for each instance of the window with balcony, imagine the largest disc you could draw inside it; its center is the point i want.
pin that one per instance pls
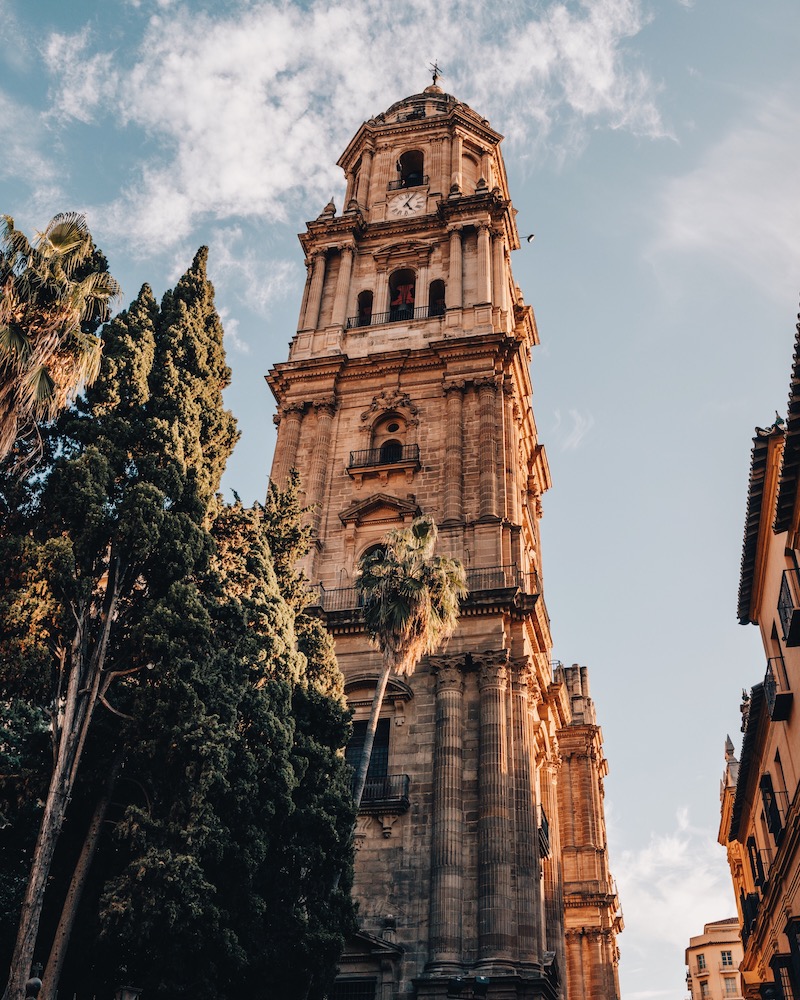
(731, 986)
(701, 963)
(727, 958)
(782, 970)
(772, 808)
(410, 170)
(436, 300)
(704, 989)
(364, 315)
(383, 792)
(789, 607)
(402, 286)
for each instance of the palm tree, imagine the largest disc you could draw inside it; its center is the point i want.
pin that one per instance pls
(411, 602)
(49, 292)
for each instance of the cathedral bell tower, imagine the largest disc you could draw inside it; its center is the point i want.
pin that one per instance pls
(407, 391)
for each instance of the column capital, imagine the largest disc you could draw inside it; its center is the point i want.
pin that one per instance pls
(492, 382)
(299, 408)
(522, 672)
(449, 671)
(325, 405)
(492, 667)
(453, 385)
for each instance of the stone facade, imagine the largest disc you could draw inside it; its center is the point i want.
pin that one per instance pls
(407, 391)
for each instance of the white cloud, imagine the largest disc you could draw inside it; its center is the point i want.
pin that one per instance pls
(247, 112)
(259, 279)
(24, 138)
(740, 204)
(669, 889)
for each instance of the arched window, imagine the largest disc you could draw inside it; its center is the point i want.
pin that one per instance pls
(411, 169)
(364, 317)
(402, 285)
(436, 305)
(388, 438)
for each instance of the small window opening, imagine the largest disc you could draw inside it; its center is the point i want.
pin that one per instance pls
(402, 285)
(364, 317)
(436, 305)
(410, 167)
(391, 451)
(393, 427)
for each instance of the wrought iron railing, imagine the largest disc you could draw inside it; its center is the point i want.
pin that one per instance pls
(398, 314)
(369, 457)
(789, 607)
(413, 181)
(478, 581)
(749, 904)
(388, 789)
(776, 693)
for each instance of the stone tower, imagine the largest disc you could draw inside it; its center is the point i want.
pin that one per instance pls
(407, 391)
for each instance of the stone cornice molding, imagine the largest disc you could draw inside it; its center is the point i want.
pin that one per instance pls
(409, 253)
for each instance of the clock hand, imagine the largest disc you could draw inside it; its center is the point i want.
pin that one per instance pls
(408, 203)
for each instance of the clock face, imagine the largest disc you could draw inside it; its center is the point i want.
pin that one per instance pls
(406, 203)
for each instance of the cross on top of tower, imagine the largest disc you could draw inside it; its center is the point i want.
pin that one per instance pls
(434, 66)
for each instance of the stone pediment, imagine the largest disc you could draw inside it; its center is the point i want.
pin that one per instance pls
(361, 944)
(380, 508)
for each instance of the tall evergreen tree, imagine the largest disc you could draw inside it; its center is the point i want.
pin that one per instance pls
(187, 700)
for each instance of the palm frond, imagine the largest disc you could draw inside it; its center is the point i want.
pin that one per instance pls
(14, 345)
(67, 238)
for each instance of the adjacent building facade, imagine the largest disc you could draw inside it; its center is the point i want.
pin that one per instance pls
(482, 865)
(712, 962)
(760, 819)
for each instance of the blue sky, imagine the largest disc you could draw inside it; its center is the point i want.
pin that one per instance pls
(653, 148)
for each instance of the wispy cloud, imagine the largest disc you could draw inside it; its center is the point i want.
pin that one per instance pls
(245, 112)
(740, 204)
(570, 433)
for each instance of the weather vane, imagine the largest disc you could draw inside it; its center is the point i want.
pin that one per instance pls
(434, 66)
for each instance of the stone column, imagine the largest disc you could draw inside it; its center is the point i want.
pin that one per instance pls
(350, 190)
(528, 883)
(447, 875)
(421, 289)
(512, 504)
(320, 461)
(496, 925)
(342, 287)
(455, 162)
(484, 289)
(499, 297)
(364, 176)
(380, 300)
(454, 283)
(487, 397)
(301, 319)
(315, 291)
(453, 452)
(288, 440)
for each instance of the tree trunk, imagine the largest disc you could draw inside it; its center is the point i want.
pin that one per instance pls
(372, 727)
(58, 950)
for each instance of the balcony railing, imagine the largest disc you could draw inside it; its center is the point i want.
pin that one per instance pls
(543, 833)
(478, 581)
(413, 181)
(388, 793)
(399, 314)
(749, 905)
(789, 607)
(369, 458)
(776, 692)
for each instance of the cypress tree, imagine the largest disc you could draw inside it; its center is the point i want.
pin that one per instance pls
(178, 675)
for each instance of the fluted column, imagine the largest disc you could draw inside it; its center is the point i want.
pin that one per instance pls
(447, 874)
(528, 885)
(288, 440)
(342, 287)
(487, 398)
(453, 451)
(484, 289)
(301, 319)
(315, 291)
(499, 297)
(512, 504)
(496, 930)
(455, 283)
(325, 408)
(364, 176)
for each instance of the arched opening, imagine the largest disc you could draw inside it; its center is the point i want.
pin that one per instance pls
(402, 285)
(436, 304)
(411, 169)
(391, 451)
(469, 173)
(364, 315)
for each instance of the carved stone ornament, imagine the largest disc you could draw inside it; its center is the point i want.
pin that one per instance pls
(392, 399)
(449, 672)
(453, 385)
(493, 667)
(325, 405)
(489, 382)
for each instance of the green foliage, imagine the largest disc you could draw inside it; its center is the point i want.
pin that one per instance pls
(53, 293)
(135, 592)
